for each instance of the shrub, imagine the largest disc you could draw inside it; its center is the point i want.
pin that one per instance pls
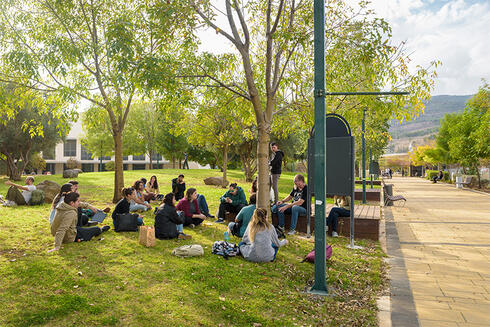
(429, 174)
(109, 166)
(72, 163)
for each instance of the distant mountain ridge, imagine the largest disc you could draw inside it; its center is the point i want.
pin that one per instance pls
(425, 125)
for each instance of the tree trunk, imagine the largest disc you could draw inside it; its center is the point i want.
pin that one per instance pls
(13, 170)
(150, 153)
(478, 176)
(118, 166)
(173, 162)
(263, 181)
(225, 163)
(247, 167)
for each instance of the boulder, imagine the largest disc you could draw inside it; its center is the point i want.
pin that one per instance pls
(70, 173)
(79, 171)
(50, 189)
(218, 181)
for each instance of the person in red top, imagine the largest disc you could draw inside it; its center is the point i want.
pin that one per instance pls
(189, 206)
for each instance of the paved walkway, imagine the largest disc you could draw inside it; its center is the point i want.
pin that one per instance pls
(444, 237)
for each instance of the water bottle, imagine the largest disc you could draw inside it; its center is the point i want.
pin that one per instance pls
(227, 236)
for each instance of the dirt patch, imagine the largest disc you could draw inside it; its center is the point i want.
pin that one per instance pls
(12, 253)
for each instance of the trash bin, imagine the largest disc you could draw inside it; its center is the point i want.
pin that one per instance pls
(388, 190)
(459, 180)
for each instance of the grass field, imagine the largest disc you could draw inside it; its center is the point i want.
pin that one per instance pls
(117, 282)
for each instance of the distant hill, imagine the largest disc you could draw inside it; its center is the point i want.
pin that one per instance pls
(422, 129)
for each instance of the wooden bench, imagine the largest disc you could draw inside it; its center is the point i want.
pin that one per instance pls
(368, 182)
(372, 194)
(366, 222)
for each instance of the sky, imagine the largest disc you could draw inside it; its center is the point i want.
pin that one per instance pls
(455, 32)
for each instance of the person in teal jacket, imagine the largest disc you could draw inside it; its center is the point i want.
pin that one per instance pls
(232, 201)
(240, 224)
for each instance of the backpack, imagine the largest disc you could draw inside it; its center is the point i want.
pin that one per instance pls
(225, 249)
(184, 251)
(126, 222)
(37, 197)
(310, 257)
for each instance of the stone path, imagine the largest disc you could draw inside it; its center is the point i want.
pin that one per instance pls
(444, 238)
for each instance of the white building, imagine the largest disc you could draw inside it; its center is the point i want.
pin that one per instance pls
(73, 148)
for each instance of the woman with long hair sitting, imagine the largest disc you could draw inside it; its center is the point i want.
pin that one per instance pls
(168, 223)
(138, 202)
(65, 189)
(193, 215)
(260, 242)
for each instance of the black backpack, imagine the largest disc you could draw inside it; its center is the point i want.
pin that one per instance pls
(126, 222)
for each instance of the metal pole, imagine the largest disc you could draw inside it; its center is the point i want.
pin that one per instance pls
(100, 158)
(371, 166)
(320, 285)
(363, 157)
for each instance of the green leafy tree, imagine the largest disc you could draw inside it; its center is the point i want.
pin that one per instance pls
(106, 52)
(30, 123)
(274, 40)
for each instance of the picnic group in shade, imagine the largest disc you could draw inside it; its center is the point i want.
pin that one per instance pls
(72, 220)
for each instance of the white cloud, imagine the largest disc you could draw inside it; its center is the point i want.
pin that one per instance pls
(454, 32)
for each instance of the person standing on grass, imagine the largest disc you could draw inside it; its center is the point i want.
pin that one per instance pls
(275, 165)
(296, 208)
(168, 222)
(232, 201)
(243, 218)
(186, 164)
(189, 206)
(341, 209)
(178, 187)
(64, 227)
(15, 196)
(260, 242)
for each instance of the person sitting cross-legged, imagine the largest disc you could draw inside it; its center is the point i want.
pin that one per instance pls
(193, 215)
(168, 222)
(64, 227)
(260, 242)
(232, 201)
(15, 196)
(341, 209)
(296, 208)
(138, 202)
(240, 224)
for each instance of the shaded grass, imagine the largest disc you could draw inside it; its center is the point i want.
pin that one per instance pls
(117, 282)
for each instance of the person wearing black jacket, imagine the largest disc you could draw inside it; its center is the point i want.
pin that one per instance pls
(276, 164)
(168, 223)
(178, 187)
(122, 207)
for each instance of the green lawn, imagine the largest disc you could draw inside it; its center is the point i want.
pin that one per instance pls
(118, 282)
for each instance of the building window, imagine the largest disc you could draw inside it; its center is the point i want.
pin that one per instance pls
(125, 158)
(159, 166)
(86, 155)
(140, 157)
(125, 166)
(49, 154)
(139, 166)
(51, 167)
(87, 167)
(70, 148)
(105, 158)
(156, 157)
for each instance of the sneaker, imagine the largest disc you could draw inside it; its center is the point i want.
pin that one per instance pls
(105, 228)
(107, 210)
(334, 234)
(281, 228)
(210, 216)
(1, 199)
(183, 236)
(191, 226)
(292, 232)
(10, 203)
(92, 223)
(220, 221)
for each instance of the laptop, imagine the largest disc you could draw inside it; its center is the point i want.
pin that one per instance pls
(99, 216)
